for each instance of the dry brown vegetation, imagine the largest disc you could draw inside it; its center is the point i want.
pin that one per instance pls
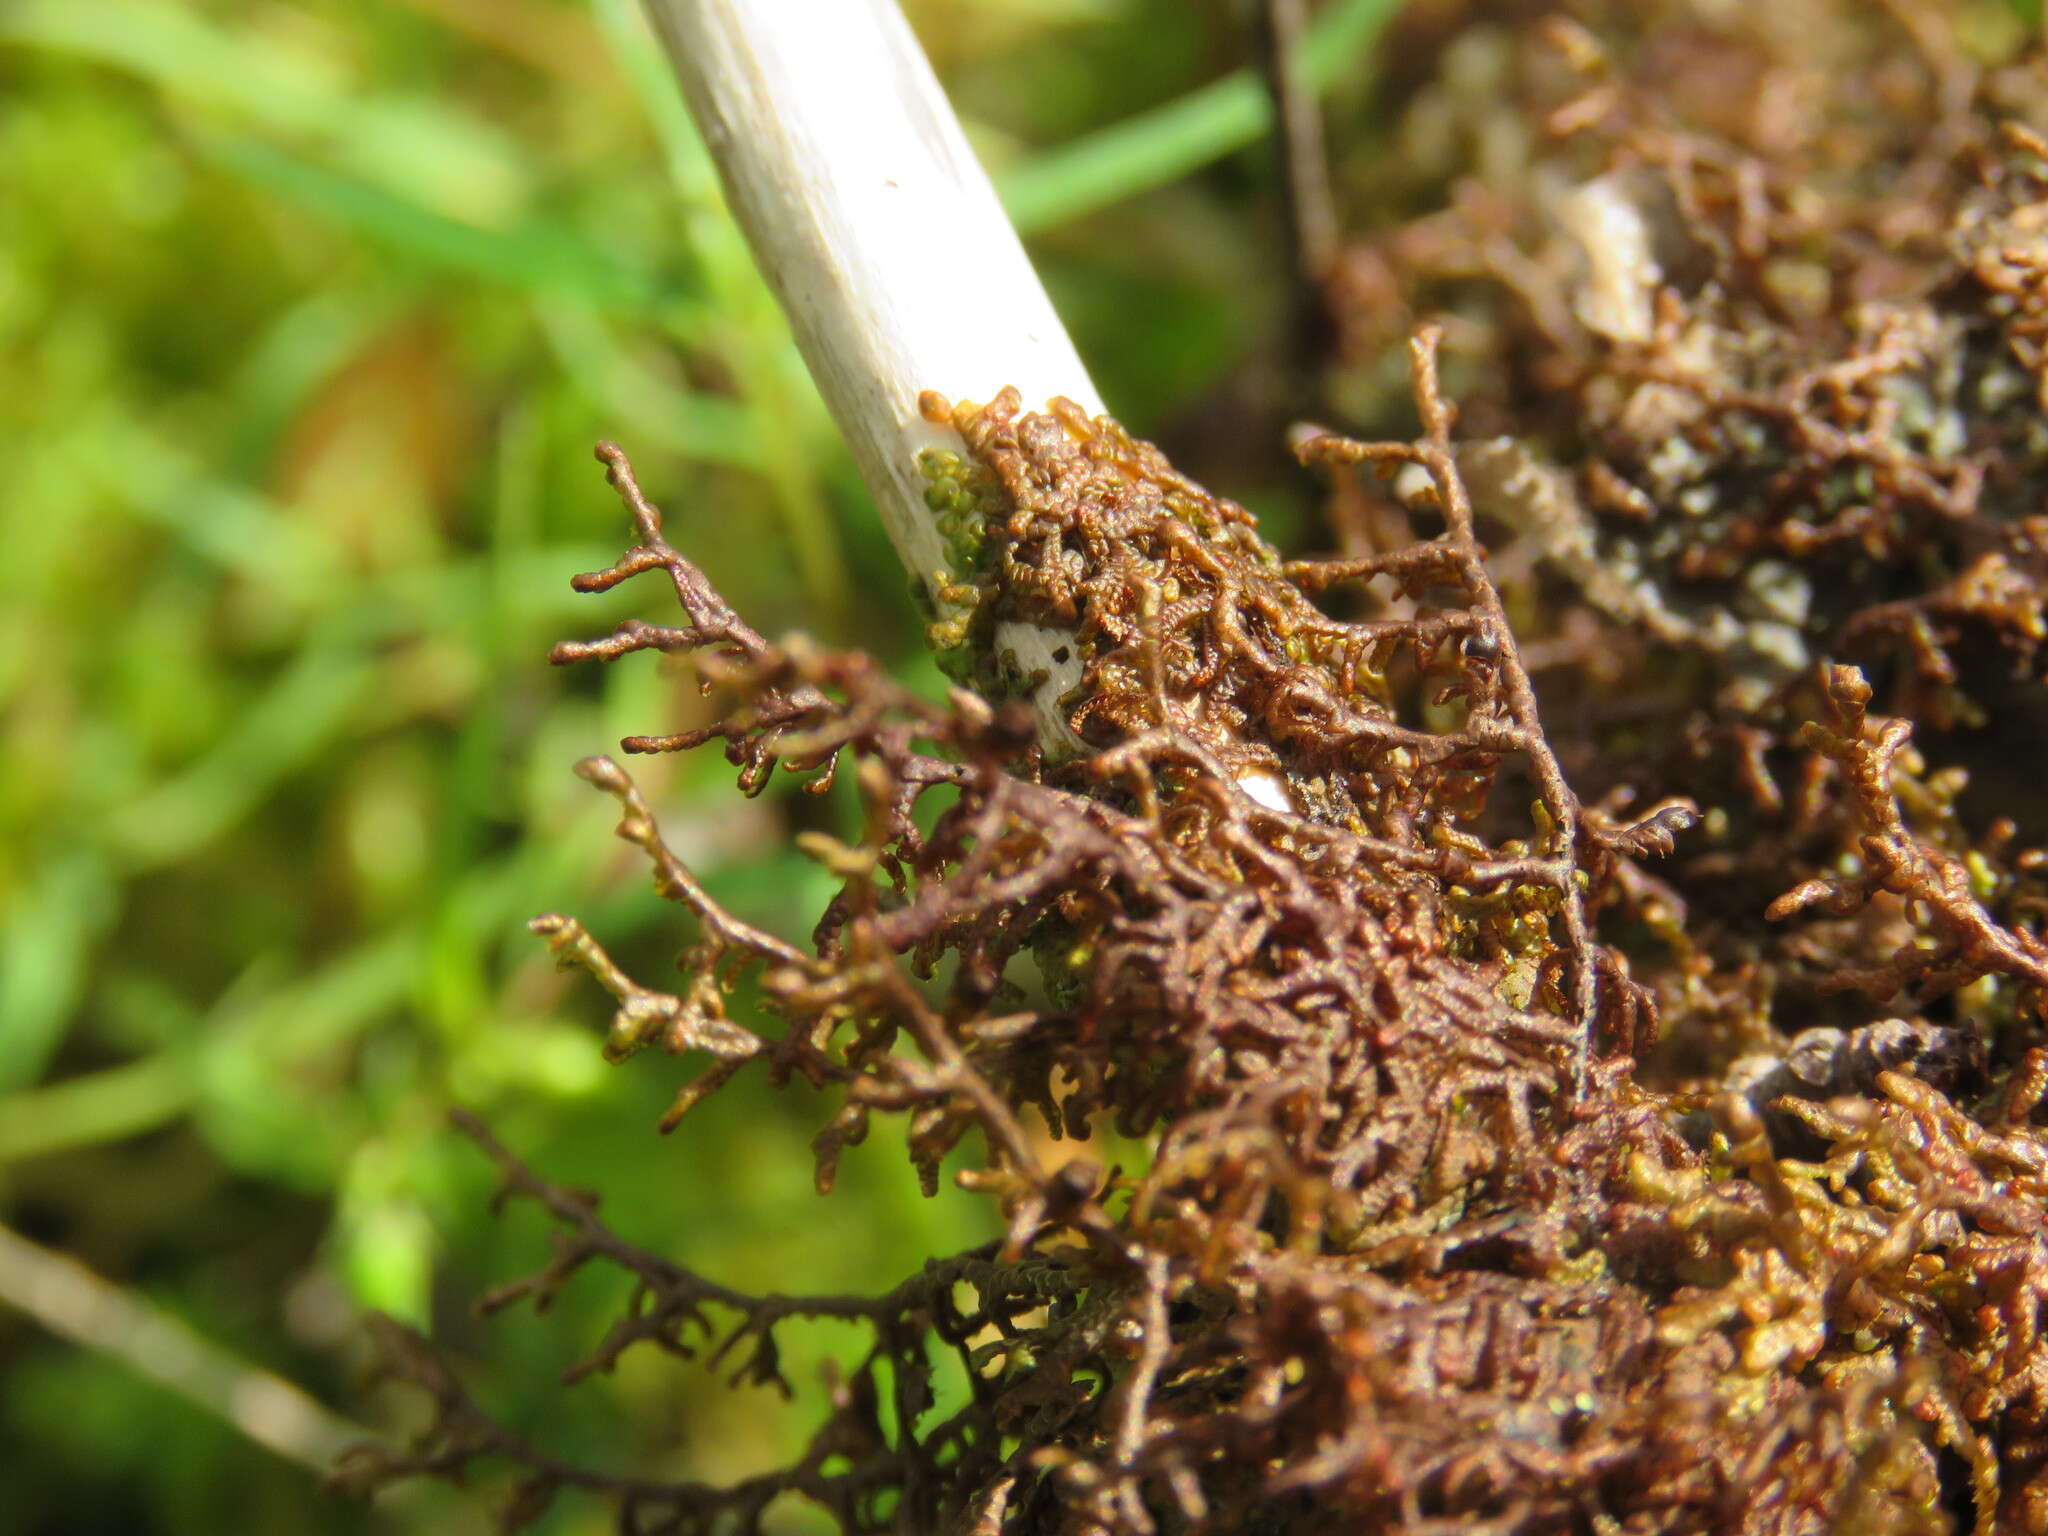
(1622, 1113)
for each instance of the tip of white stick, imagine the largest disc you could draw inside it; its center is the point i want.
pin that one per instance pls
(1269, 790)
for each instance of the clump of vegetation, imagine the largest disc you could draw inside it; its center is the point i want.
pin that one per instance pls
(1623, 1114)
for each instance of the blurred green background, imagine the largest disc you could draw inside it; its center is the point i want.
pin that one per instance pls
(310, 311)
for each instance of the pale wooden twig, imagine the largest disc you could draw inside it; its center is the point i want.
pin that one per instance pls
(884, 241)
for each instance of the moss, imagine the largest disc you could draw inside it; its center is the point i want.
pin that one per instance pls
(1523, 1150)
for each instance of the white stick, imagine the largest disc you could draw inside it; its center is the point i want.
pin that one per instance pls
(883, 239)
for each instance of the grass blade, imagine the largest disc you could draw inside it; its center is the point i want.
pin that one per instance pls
(1168, 142)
